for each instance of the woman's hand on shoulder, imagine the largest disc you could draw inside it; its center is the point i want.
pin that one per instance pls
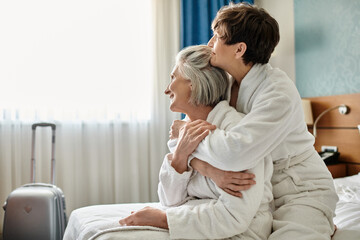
(191, 134)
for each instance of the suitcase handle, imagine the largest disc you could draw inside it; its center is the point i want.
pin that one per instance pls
(53, 128)
(43, 124)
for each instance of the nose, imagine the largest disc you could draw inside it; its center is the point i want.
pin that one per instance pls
(210, 43)
(167, 90)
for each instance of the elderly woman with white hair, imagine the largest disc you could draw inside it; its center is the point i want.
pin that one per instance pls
(200, 91)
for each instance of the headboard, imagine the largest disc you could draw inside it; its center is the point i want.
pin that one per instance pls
(334, 129)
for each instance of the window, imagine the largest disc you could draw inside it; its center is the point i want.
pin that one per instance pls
(75, 59)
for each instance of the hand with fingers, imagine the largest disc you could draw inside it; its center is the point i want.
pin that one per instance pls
(147, 216)
(231, 182)
(190, 135)
(175, 128)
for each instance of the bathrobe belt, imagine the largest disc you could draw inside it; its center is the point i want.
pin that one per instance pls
(285, 163)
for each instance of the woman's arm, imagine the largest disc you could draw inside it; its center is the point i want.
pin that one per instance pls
(187, 143)
(251, 138)
(182, 145)
(225, 117)
(227, 215)
(172, 188)
(230, 182)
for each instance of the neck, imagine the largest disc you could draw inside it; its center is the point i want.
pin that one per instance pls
(238, 72)
(199, 112)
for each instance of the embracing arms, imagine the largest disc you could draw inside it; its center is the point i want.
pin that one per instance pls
(228, 215)
(249, 139)
(231, 182)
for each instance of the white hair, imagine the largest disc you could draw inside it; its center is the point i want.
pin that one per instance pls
(209, 83)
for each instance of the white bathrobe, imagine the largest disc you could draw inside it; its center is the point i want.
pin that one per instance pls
(274, 126)
(216, 214)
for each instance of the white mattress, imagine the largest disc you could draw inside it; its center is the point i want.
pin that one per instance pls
(100, 222)
(347, 212)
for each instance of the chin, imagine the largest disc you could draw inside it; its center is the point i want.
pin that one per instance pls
(173, 108)
(213, 62)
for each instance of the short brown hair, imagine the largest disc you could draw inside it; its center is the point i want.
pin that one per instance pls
(251, 25)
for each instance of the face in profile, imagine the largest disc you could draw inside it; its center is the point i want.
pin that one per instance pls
(179, 91)
(221, 52)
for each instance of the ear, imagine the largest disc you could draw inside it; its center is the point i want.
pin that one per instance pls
(240, 50)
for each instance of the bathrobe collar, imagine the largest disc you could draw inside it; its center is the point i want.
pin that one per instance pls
(249, 85)
(216, 115)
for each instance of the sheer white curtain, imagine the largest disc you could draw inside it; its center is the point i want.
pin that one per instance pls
(99, 69)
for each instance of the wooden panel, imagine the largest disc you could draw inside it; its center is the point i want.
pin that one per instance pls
(334, 118)
(337, 170)
(339, 130)
(353, 169)
(347, 141)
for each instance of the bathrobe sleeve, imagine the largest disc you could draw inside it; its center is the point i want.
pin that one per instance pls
(228, 215)
(272, 117)
(217, 218)
(172, 187)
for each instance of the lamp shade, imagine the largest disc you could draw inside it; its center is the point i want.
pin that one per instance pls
(306, 104)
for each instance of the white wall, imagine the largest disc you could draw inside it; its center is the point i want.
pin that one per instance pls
(284, 55)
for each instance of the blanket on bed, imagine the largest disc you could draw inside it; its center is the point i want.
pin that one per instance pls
(347, 217)
(101, 222)
(94, 221)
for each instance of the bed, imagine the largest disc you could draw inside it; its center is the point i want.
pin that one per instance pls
(100, 222)
(341, 131)
(347, 217)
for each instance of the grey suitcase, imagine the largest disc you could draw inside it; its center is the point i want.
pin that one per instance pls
(36, 210)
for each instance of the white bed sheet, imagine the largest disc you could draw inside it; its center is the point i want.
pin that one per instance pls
(347, 211)
(100, 222)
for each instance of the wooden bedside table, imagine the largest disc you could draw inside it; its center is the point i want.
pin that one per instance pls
(337, 170)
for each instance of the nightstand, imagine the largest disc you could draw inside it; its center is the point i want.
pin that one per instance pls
(337, 170)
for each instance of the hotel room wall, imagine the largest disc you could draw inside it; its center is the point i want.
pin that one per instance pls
(319, 44)
(327, 47)
(284, 55)
(319, 49)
